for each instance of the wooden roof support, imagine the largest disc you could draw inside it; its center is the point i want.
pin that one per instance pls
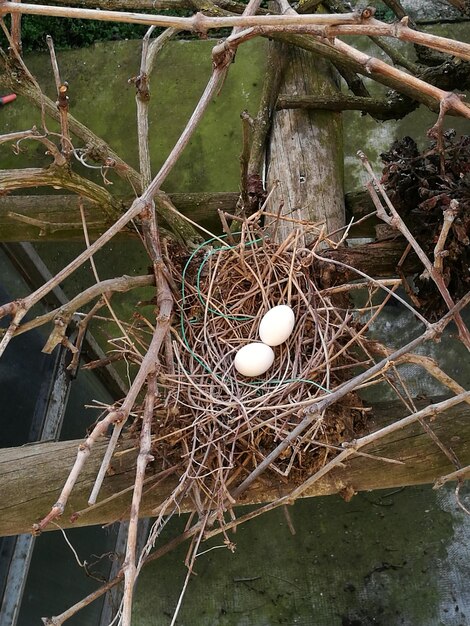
(32, 476)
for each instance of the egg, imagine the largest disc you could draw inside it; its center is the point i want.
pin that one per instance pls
(277, 325)
(254, 359)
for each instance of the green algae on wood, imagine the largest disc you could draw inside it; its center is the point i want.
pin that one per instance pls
(101, 96)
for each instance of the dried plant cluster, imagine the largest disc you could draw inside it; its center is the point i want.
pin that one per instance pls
(425, 187)
(198, 422)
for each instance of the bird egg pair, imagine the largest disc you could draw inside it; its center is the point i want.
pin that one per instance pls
(275, 327)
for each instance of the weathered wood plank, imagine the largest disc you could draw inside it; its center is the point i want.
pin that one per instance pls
(32, 476)
(378, 259)
(57, 217)
(306, 152)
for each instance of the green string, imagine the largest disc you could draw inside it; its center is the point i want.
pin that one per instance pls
(288, 380)
(198, 289)
(237, 318)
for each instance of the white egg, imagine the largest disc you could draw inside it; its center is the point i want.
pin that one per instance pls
(277, 324)
(254, 359)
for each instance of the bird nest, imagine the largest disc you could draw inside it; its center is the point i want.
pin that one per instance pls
(224, 424)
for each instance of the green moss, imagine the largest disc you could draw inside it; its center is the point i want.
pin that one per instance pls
(102, 98)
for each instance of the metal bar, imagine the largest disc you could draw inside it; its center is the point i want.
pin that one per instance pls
(22, 550)
(32, 268)
(46, 425)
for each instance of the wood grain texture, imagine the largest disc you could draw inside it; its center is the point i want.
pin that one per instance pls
(57, 217)
(32, 476)
(306, 151)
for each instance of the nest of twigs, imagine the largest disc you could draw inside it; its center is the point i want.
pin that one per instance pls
(225, 424)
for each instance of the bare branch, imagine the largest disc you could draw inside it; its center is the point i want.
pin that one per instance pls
(464, 472)
(61, 177)
(197, 23)
(35, 135)
(65, 313)
(144, 458)
(62, 100)
(439, 252)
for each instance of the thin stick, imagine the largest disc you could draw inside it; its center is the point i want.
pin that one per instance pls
(423, 361)
(62, 100)
(116, 416)
(247, 134)
(457, 475)
(98, 281)
(457, 497)
(152, 241)
(35, 135)
(149, 53)
(449, 216)
(143, 459)
(65, 312)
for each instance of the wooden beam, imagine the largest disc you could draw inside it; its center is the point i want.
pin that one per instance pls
(342, 102)
(32, 476)
(378, 259)
(57, 217)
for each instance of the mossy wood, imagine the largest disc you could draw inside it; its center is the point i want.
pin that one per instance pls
(57, 217)
(32, 476)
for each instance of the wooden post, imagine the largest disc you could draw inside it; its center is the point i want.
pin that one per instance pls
(306, 150)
